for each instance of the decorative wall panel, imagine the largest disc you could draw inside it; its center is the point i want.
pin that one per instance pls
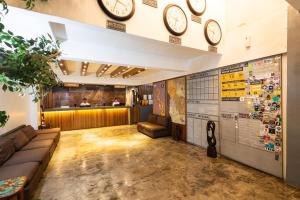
(176, 99)
(159, 98)
(96, 95)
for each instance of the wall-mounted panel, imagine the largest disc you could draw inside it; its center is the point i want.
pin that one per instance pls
(202, 106)
(250, 110)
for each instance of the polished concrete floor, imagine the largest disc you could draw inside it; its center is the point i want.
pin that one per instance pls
(120, 163)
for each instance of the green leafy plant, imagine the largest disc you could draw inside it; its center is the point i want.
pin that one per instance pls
(29, 4)
(3, 118)
(25, 64)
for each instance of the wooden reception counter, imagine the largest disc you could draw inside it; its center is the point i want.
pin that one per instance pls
(84, 118)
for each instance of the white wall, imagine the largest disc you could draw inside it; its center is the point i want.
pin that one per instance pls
(264, 21)
(20, 109)
(147, 21)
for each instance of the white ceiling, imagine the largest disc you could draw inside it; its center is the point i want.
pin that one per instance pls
(98, 45)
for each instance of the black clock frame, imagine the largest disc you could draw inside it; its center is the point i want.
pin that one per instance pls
(206, 33)
(166, 21)
(116, 17)
(193, 10)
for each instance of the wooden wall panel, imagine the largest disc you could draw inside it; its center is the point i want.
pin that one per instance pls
(84, 119)
(96, 95)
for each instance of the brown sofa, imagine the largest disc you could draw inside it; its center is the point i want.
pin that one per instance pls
(27, 152)
(155, 127)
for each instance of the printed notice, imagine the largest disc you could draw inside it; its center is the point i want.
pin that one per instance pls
(248, 132)
(233, 83)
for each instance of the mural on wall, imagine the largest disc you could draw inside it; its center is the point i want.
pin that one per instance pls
(96, 96)
(176, 96)
(159, 98)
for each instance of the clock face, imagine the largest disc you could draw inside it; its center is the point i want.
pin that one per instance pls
(118, 9)
(213, 32)
(175, 19)
(197, 7)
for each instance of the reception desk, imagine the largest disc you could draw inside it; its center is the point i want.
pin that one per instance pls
(84, 118)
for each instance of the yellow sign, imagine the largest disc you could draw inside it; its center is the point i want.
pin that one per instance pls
(233, 84)
(236, 76)
(256, 90)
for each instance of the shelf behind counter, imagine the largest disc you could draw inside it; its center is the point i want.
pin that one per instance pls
(87, 117)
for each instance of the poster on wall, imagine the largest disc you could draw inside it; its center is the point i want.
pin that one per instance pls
(176, 96)
(233, 83)
(159, 98)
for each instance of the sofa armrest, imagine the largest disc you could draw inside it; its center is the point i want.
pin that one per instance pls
(51, 130)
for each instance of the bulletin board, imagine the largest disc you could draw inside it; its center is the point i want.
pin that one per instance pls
(202, 106)
(250, 114)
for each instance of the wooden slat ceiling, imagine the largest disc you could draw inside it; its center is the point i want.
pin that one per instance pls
(119, 71)
(133, 72)
(102, 69)
(84, 68)
(63, 67)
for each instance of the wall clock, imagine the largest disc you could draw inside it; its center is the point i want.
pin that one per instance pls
(213, 32)
(121, 10)
(197, 7)
(175, 20)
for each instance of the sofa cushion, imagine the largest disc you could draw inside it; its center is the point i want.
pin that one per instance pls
(14, 171)
(34, 155)
(7, 149)
(50, 130)
(152, 119)
(19, 138)
(163, 121)
(29, 132)
(53, 136)
(150, 126)
(38, 144)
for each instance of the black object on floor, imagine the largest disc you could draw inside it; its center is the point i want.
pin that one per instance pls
(177, 132)
(211, 140)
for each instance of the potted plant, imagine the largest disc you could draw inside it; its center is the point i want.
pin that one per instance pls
(26, 63)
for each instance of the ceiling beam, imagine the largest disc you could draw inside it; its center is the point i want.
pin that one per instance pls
(102, 69)
(295, 4)
(63, 67)
(119, 71)
(84, 68)
(133, 72)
